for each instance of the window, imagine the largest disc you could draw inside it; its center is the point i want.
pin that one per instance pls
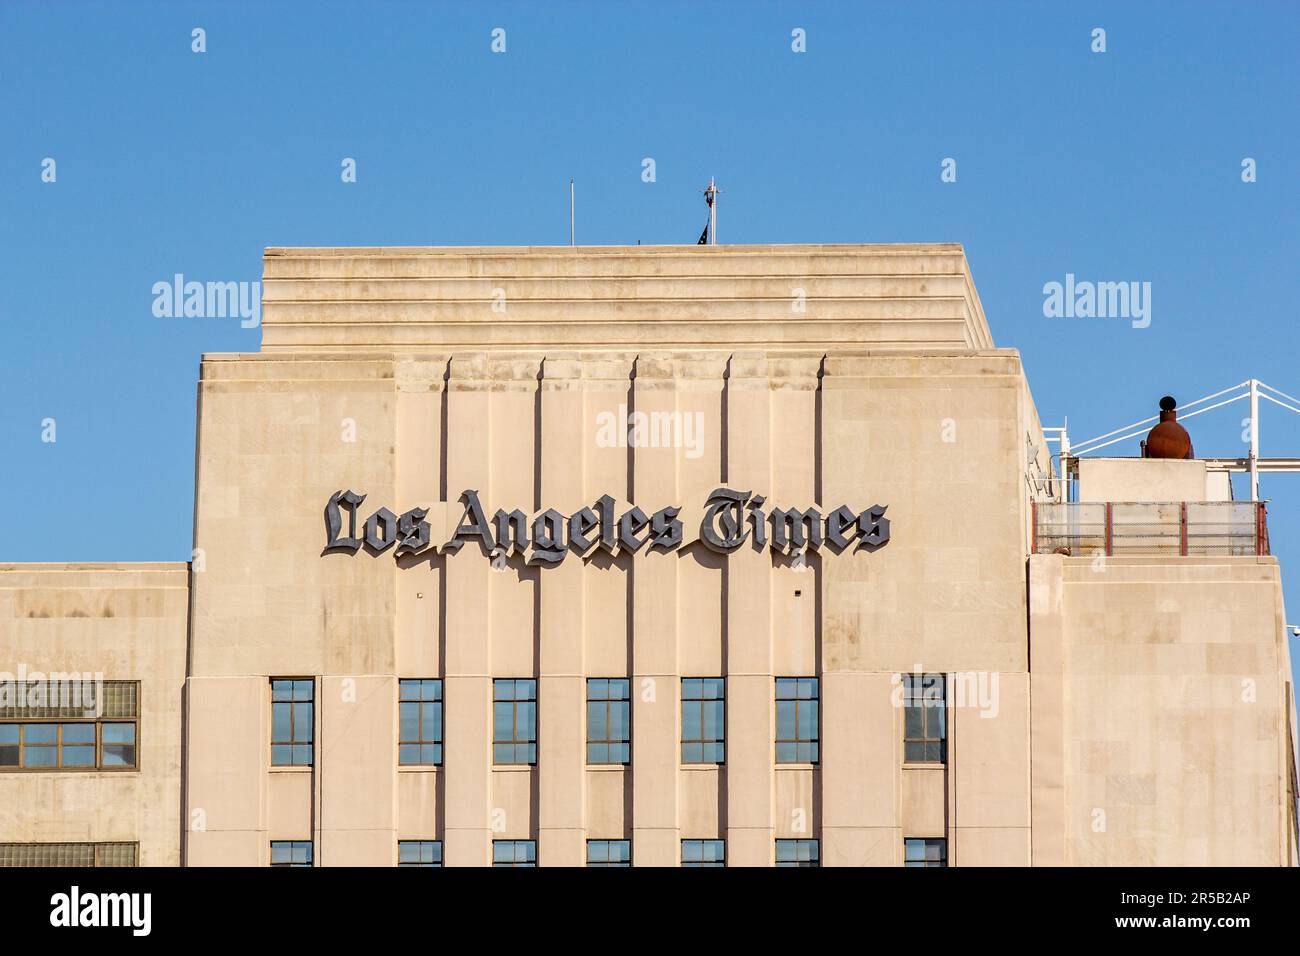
(514, 852)
(796, 720)
(74, 727)
(69, 854)
(419, 853)
(514, 717)
(420, 719)
(924, 719)
(797, 853)
(291, 852)
(703, 719)
(292, 701)
(925, 852)
(609, 721)
(609, 852)
(704, 853)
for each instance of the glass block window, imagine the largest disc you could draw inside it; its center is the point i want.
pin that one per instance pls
(83, 726)
(609, 852)
(704, 853)
(703, 719)
(797, 716)
(925, 852)
(291, 853)
(69, 854)
(514, 852)
(420, 719)
(609, 720)
(797, 853)
(514, 721)
(924, 719)
(292, 720)
(419, 853)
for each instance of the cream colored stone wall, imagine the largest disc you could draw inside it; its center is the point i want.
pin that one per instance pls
(127, 622)
(1161, 695)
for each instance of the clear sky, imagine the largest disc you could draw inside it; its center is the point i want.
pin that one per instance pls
(1117, 166)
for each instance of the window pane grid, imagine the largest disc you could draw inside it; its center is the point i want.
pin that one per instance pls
(419, 853)
(514, 852)
(68, 854)
(609, 721)
(924, 718)
(704, 853)
(925, 852)
(703, 719)
(68, 745)
(798, 853)
(420, 723)
(291, 853)
(292, 721)
(797, 720)
(514, 720)
(609, 853)
(87, 700)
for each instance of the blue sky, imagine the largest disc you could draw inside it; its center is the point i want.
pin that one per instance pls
(1115, 166)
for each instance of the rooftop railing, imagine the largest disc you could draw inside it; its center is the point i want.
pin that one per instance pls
(1174, 528)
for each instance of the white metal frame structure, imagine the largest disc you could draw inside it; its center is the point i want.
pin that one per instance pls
(1252, 390)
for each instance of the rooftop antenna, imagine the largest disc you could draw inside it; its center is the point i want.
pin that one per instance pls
(571, 234)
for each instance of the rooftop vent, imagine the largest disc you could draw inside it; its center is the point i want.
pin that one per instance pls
(1168, 439)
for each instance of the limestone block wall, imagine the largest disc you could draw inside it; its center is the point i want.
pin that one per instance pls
(127, 622)
(1162, 712)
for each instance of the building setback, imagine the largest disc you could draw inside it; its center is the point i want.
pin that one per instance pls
(813, 597)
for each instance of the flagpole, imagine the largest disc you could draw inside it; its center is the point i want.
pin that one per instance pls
(571, 242)
(713, 213)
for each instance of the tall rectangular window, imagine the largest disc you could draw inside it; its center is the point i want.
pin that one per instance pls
(609, 852)
(925, 734)
(796, 720)
(48, 727)
(609, 720)
(292, 719)
(797, 853)
(291, 853)
(704, 853)
(514, 719)
(514, 852)
(925, 852)
(703, 719)
(419, 853)
(420, 721)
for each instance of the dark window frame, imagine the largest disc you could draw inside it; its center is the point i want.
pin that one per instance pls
(421, 703)
(435, 853)
(20, 747)
(926, 844)
(608, 741)
(799, 741)
(707, 747)
(932, 715)
(721, 861)
(293, 742)
(515, 741)
(812, 859)
(525, 845)
(293, 845)
(608, 845)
